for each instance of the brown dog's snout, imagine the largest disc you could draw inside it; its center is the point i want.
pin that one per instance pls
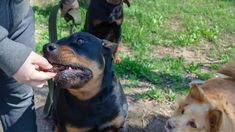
(170, 124)
(51, 47)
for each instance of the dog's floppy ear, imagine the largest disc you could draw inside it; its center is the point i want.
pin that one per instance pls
(127, 2)
(196, 93)
(110, 45)
(215, 119)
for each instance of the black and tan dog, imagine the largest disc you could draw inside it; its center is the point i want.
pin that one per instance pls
(104, 20)
(87, 96)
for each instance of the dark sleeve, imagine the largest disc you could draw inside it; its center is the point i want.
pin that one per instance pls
(12, 54)
(67, 1)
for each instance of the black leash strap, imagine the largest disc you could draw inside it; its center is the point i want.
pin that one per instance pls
(72, 15)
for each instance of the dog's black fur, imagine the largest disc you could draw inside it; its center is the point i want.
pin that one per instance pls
(106, 110)
(104, 20)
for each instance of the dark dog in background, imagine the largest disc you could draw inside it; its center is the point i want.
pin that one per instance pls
(87, 95)
(104, 20)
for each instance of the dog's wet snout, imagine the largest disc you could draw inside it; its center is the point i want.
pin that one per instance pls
(51, 47)
(170, 125)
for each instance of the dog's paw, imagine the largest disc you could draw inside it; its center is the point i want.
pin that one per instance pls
(117, 60)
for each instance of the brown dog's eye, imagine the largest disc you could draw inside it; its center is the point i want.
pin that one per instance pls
(192, 124)
(182, 112)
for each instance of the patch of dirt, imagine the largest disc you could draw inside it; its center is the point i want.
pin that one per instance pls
(195, 53)
(146, 116)
(175, 24)
(228, 39)
(143, 116)
(199, 53)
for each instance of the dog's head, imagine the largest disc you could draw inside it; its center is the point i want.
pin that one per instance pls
(78, 59)
(115, 2)
(195, 114)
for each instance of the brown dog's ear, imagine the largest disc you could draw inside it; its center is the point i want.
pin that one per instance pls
(228, 69)
(110, 45)
(127, 2)
(215, 119)
(196, 93)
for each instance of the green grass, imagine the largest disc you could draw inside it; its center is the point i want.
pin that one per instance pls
(152, 24)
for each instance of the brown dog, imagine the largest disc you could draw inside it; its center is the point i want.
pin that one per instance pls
(209, 107)
(104, 20)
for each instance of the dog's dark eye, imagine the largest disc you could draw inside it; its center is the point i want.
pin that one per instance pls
(182, 112)
(80, 41)
(192, 124)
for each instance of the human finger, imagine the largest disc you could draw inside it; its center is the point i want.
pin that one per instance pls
(40, 61)
(39, 75)
(37, 84)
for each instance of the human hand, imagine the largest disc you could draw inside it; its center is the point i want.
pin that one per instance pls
(66, 7)
(30, 74)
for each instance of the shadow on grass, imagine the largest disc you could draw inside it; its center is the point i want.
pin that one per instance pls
(231, 1)
(163, 84)
(141, 71)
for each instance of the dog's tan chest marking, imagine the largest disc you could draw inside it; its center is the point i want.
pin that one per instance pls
(69, 128)
(116, 122)
(118, 21)
(96, 22)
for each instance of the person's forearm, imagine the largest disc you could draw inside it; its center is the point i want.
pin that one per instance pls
(12, 54)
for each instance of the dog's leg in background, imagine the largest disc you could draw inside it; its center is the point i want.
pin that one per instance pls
(117, 59)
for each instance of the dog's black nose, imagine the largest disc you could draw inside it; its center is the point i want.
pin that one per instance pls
(51, 47)
(170, 125)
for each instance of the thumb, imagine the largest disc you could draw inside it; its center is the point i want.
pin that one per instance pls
(40, 61)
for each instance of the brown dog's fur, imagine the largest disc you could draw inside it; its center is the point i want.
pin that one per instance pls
(209, 107)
